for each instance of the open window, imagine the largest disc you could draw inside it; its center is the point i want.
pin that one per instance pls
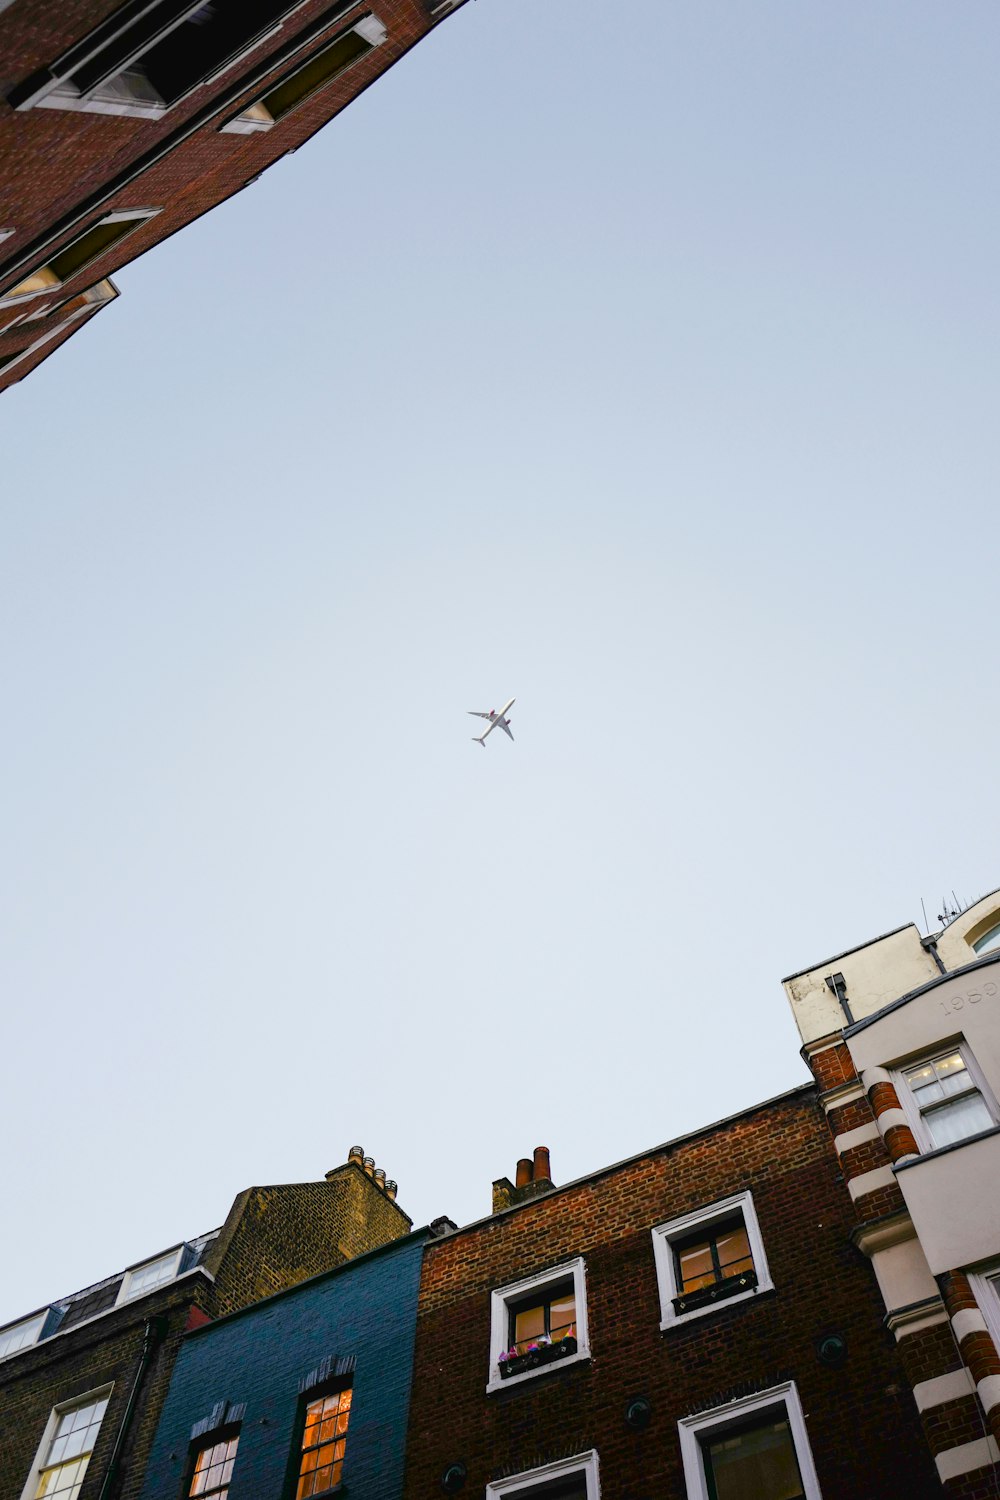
(79, 253)
(712, 1256)
(332, 59)
(538, 1323)
(755, 1446)
(145, 58)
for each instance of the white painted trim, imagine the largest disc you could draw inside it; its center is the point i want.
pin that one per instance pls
(42, 1453)
(871, 1076)
(942, 1388)
(856, 1137)
(563, 1468)
(967, 1320)
(841, 1094)
(693, 1429)
(870, 1182)
(500, 1301)
(664, 1236)
(966, 1457)
(890, 1118)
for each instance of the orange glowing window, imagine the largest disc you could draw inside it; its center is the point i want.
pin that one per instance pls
(323, 1444)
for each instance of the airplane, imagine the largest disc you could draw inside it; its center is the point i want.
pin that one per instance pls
(495, 719)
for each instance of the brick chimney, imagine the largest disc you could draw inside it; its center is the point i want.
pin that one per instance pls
(368, 1214)
(532, 1178)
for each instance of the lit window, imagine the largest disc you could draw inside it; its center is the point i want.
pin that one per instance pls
(944, 1100)
(751, 1448)
(21, 1334)
(67, 1447)
(79, 253)
(322, 68)
(708, 1257)
(537, 1323)
(213, 1468)
(989, 940)
(143, 65)
(148, 1277)
(323, 1442)
(567, 1479)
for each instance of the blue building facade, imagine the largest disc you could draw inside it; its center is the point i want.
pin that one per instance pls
(259, 1376)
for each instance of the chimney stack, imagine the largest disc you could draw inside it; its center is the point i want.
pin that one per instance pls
(533, 1177)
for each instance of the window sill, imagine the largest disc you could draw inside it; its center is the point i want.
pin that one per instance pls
(681, 1319)
(498, 1383)
(969, 1140)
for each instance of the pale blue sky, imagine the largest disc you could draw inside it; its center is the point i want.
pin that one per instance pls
(640, 362)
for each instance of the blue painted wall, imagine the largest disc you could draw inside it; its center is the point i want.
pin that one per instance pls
(367, 1308)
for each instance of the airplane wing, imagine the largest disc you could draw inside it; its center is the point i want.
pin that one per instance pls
(477, 715)
(506, 730)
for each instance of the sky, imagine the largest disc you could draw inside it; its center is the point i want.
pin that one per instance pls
(637, 364)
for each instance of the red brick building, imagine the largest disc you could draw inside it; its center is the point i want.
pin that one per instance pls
(694, 1323)
(123, 120)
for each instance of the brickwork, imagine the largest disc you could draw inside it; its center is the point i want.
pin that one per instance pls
(833, 1066)
(862, 1426)
(61, 170)
(979, 1484)
(928, 1352)
(900, 1142)
(845, 1117)
(273, 1238)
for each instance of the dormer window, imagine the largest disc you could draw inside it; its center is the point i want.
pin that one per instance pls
(153, 1274)
(20, 1335)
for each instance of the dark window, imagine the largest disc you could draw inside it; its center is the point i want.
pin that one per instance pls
(755, 1461)
(550, 1316)
(710, 1256)
(324, 1440)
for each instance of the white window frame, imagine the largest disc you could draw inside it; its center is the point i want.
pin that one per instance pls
(120, 216)
(247, 123)
(60, 92)
(985, 1283)
(666, 1235)
(500, 1301)
(38, 1317)
(783, 1398)
(125, 1293)
(564, 1468)
(38, 1463)
(910, 1107)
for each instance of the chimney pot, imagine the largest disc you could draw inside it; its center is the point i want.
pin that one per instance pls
(542, 1172)
(356, 1154)
(380, 1177)
(391, 1189)
(369, 1165)
(525, 1172)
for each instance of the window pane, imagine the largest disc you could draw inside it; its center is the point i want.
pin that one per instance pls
(958, 1119)
(323, 1443)
(562, 1315)
(756, 1464)
(734, 1252)
(317, 71)
(529, 1324)
(988, 941)
(696, 1266)
(21, 1334)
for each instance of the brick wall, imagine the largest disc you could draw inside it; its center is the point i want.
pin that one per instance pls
(861, 1420)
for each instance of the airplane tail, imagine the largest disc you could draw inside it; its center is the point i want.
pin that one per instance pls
(480, 739)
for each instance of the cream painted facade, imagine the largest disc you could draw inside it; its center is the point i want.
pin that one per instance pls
(929, 1216)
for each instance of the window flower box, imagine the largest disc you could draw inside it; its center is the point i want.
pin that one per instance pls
(718, 1291)
(512, 1363)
